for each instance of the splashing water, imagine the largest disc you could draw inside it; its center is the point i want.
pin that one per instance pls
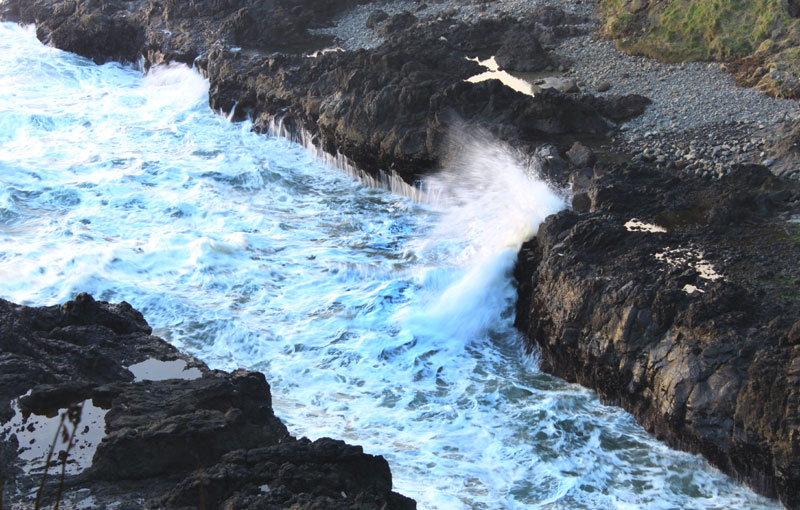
(489, 203)
(377, 319)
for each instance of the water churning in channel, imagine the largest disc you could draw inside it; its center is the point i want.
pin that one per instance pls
(377, 319)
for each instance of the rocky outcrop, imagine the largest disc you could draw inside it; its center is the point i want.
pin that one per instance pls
(521, 51)
(783, 150)
(154, 427)
(173, 30)
(677, 298)
(687, 316)
(385, 109)
(390, 108)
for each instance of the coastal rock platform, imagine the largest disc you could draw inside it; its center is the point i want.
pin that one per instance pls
(680, 301)
(672, 295)
(385, 109)
(153, 428)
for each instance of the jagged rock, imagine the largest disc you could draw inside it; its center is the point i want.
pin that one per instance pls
(618, 108)
(385, 109)
(375, 17)
(550, 25)
(322, 474)
(794, 334)
(398, 22)
(521, 52)
(690, 327)
(173, 30)
(581, 155)
(197, 438)
(785, 151)
(391, 107)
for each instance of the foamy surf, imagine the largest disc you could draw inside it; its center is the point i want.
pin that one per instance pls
(488, 200)
(378, 319)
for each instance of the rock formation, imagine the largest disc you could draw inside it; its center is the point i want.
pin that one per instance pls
(176, 436)
(673, 296)
(385, 109)
(678, 298)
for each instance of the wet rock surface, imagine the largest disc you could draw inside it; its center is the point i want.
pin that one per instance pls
(172, 30)
(390, 108)
(386, 109)
(692, 326)
(186, 438)
(677, 298)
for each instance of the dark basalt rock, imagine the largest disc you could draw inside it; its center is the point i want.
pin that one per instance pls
(521, 52)
(390, 108)
(785, 150)
(618, 108)
(581, 156)
(207, 440)
(384, 109)
(551, 24)
(397, 23)
(173, 30)
(375, 17)
(714, 371)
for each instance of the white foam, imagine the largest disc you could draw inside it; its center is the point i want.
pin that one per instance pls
(377, 319)
(490, 201)
(174, 85)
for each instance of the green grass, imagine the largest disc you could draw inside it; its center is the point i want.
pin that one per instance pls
(706, 30)
(784, 285)
(701, 29)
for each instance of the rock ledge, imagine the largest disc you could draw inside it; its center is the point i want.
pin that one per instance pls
(164, 429)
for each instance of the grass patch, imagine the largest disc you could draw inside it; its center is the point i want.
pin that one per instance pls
(785, 286)
(706, 30)
(700, 29)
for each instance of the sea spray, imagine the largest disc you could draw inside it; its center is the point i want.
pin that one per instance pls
(489, 199)
(173, 84)
(246, 251)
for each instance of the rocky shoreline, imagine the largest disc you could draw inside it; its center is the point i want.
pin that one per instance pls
(677, 299)
(687, 316)
(153, 427)
(697, 103)
(386, 109)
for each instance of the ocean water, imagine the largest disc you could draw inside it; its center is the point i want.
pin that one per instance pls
(379, 319)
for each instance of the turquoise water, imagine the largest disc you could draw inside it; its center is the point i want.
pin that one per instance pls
(378, 319)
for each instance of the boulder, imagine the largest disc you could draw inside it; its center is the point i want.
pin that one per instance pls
(398, 23)
(375, 17)
(521, 52)
(580, 155)
(785, 150)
